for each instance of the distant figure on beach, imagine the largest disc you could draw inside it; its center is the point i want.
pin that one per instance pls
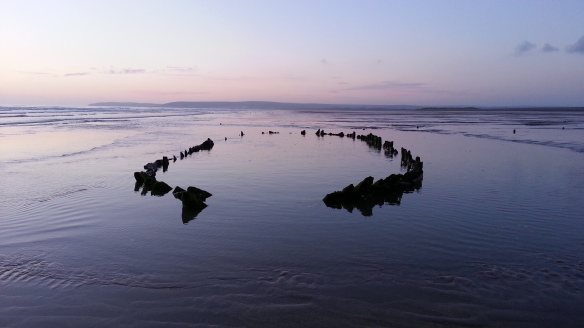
(513, 131)
(242, 133)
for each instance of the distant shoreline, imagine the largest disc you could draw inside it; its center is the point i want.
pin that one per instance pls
(250, 105)
(502, 109)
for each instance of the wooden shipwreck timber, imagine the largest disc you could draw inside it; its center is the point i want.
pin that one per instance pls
(368, 193)
(193, 198)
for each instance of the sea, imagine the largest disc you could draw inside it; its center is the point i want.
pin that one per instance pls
(492, 237)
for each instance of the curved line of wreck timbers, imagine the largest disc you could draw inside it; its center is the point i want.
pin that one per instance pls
(364, 196)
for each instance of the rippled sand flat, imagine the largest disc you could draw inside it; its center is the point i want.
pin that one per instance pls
(493, 238)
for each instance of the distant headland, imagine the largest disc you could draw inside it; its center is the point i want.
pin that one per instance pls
(251, 105)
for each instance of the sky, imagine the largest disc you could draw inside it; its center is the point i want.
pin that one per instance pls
(425, 53)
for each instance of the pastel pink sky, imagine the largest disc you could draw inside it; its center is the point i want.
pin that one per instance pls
(481, 53)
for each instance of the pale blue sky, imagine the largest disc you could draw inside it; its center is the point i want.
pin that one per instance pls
(483, 53)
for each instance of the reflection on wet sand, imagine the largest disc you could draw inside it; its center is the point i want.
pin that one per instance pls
(189, 214)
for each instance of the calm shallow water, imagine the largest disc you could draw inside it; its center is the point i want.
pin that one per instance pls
(494, 237)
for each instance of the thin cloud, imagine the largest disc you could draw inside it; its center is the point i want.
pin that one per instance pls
(181, 69)
(40, 74)
(36, 73)
(577, 47)
(76, 74)
(181, 72)
(123, 71)
(524, 47)
(387, 85)
(399, 87)
(132, 71)
(235, 78)
(549, 48)
(163, 93)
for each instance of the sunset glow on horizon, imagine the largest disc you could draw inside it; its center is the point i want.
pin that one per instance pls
(427, 53)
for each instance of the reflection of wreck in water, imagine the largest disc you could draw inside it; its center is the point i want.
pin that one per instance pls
(367, 194)
(189, 214)
(193, 200)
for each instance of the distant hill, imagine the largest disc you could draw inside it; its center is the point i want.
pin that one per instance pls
(251, 105)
